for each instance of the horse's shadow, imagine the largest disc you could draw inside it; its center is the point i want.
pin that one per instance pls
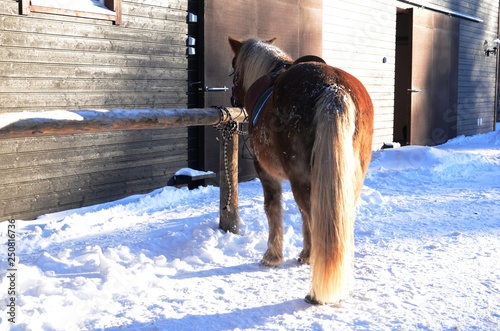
(239, 318)
(246, 318)
(222, 271)
(228, 271)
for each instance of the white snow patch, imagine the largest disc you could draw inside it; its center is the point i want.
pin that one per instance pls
(192, 172)
(9, 118)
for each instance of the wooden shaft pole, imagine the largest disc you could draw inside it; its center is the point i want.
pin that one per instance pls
(61, 122)
(27, 124)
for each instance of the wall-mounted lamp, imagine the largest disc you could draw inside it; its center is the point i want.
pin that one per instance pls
(493, 51)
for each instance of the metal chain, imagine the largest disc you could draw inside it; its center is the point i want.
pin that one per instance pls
(228, 128)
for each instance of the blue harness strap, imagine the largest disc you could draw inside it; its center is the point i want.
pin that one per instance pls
(259, 105)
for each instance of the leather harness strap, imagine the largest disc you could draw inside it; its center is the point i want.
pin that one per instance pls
(261, 90)
(260, 104)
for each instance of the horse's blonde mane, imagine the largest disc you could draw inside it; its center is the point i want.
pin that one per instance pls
(256, 58)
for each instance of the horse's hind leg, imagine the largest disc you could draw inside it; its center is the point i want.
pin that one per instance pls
(272, 205)
(301, 193)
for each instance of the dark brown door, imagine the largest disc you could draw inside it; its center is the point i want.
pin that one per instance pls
(426, 77)
(297, 26)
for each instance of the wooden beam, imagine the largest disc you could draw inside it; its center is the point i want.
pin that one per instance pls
(70, 12)
(28, 124)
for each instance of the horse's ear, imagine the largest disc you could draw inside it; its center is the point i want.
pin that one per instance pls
(270, 41)
(235, 44)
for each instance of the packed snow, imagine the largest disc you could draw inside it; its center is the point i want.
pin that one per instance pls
(427, 256)
(192, 172)
(7, 119)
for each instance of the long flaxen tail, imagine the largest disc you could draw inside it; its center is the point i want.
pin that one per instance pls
(333, 199)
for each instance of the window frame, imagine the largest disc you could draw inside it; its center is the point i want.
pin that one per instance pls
(114, 5)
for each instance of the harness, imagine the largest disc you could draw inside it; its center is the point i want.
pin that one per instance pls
(261, 90)
(260, 104)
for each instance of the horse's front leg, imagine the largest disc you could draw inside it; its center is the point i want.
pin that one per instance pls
(272, 206)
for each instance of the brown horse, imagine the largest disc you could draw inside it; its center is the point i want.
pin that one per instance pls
(311, 124)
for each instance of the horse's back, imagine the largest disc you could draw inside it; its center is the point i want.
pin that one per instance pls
(302, 84)
(296, 96)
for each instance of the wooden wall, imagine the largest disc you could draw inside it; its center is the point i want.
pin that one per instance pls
(357, 36)
(476, 72)
(52, 61)
(476, 80)
(61, 62)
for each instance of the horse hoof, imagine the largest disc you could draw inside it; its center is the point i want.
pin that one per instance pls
(271, 261)
(304, 257)
(310, 300)
(303, 260)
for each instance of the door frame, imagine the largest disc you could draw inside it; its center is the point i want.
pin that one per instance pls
(426, 77)
(243, 19)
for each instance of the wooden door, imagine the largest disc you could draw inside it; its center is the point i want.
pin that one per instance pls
(297, 26)
(426, 78)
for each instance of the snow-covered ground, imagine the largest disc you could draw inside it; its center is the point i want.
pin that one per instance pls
(427, 256)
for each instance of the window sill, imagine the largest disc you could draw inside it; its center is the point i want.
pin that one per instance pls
(114, 16)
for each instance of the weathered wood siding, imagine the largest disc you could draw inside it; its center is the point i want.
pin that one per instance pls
(476, 80)
(357, 36)
(60, 62)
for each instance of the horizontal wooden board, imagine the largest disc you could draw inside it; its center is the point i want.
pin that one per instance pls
(51, 85)
(174, 4)
(84, 140)
(146, 24)
(34, 70)
(9, 7)
(155, 12)
(88, 168)
(136, 148)
(121, 184)
(42, 56)
(157, 168)
(93, 100)
(90, 31)
(70, 43)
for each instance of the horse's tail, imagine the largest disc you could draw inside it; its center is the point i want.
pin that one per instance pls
(333, 198)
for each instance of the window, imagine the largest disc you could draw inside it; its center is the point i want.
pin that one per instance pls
(98, 9)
